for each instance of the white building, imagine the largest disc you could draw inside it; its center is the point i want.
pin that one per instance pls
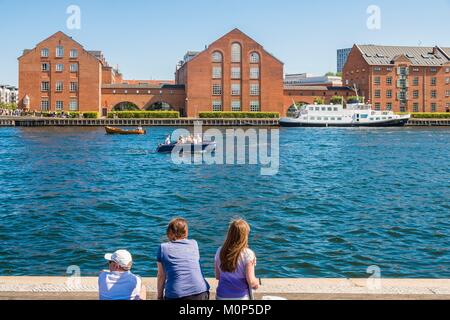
(306, 79)
(9, 94)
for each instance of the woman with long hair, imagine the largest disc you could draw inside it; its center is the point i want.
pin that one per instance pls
(235, 264)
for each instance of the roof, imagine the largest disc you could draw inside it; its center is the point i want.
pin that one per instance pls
(419, 56)
(316, 88)
(141, 86)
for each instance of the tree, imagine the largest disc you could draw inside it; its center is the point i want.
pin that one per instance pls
(319, 100)
(337, 100)
(354, 99)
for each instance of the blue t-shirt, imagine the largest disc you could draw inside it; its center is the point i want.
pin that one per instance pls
(181, 262)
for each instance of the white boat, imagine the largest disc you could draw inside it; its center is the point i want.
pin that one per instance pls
(353, 115)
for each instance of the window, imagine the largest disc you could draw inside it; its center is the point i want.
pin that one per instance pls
(217, 105)
(73, 106)
(74, 67)
(235, 73)
(235, 105)
(378, 106)
(389, 94)
(59, 67)
(59, 51)
(216, 57)
(402, 109)
(74, 53)
(447, 80)
(217, 89)
(433, 81)
(377, 81)
(433, 69)
(402, 95)
(44, 53)
(416, 94)
(59, 86)
(416, 69)
(254, 89)
(59, 105)
(447, 70)
(254, 57)
(447, 93)
(45, 67)
(74, 87)
(217, 73)
(433, 94)
(45, 86)
(254, 106)
(415, 107)
(377, 93)
(416, 81)
(45, 105)
(235, 52)
(235, 89)
(376, 69)
(389, 81)
(254, 73)
(389, 106)
(433, 107)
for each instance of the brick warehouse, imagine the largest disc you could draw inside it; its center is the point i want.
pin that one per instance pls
(403, 79)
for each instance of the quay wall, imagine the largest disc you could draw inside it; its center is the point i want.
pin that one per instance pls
(49, 122)
(86, 288)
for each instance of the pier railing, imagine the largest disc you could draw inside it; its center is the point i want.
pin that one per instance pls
(180, 122)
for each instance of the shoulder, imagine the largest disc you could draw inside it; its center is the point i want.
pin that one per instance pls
(248, 255)
(217, 256)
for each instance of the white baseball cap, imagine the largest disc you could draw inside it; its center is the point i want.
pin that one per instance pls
(121, 257)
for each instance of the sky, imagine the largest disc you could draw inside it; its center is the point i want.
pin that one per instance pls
(147, 38)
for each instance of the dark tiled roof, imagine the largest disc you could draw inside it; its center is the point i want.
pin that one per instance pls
(420, 56)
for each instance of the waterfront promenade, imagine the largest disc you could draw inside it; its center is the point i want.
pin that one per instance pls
(49, 122)
(62, 288)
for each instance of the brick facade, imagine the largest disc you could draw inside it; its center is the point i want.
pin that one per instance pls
(402, 84)
(266, 79)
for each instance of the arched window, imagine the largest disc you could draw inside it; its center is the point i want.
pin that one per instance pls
(217, 56)
(254, 57)
(235, 52)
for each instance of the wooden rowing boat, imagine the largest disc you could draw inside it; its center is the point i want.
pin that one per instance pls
(111, 130)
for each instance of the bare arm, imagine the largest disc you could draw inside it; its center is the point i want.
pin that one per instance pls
(161, 281)
(252, 281)
(217, 269)
(143, 294)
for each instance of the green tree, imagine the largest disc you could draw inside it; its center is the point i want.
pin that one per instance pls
(337, 100)
(354, 99)
(319, 100)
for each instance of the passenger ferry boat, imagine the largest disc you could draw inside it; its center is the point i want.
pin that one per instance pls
(354, 115)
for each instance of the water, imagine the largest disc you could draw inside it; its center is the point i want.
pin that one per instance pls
(345, 199)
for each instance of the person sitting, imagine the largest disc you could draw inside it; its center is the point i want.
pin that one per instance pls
(235, 264)
(180, 276)
(119, 283)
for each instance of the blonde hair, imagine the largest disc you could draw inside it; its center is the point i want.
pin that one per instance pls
(235, 244)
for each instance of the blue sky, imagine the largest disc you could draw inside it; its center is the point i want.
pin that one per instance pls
(147, 38)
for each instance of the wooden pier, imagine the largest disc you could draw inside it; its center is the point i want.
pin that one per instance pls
(181, 122)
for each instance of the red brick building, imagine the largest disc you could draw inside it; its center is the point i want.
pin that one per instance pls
(234, 73)
(403, 79)
(308, 94)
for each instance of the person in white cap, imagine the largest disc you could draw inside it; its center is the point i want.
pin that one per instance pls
(119, 283)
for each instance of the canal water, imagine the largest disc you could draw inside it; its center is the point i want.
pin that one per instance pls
(343, 200)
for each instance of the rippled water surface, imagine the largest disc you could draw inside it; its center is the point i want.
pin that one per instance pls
(344, 199)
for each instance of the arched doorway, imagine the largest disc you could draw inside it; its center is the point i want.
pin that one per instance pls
(159, 106)
(126, 106)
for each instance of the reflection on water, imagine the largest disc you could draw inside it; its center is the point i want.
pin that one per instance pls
(344, 199)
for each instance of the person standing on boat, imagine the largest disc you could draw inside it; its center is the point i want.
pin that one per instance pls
(168, 140)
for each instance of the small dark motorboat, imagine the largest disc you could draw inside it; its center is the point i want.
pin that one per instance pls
(111, 130)
(168, 148)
